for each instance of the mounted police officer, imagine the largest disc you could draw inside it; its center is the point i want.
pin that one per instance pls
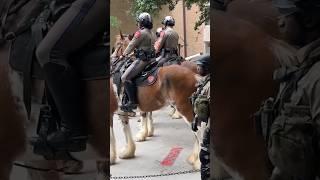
(201, 103)
(79, 24)
(143, 44)
(167, 43)
(158, 32)
(292, 129)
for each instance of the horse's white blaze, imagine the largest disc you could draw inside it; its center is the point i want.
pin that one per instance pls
(113, 152)
(129, 149)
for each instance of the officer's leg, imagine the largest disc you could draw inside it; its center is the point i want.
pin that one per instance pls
(79, 24)
(130, 88)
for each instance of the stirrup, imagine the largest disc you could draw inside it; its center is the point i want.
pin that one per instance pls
(125, 112)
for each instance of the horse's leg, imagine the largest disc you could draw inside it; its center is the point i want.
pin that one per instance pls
(102, 170)
(150, 124)
(176, 114)
(143, 132)
(185, 108)
(129, 150)
(113, 151)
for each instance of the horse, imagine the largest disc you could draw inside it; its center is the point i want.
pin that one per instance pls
(243, 69)
(17, 125)
(174, 84)
(259, 12)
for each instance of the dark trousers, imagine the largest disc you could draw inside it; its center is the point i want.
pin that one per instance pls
(79, 24)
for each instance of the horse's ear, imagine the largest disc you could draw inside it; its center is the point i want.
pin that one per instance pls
(130, 37)
(121, 35)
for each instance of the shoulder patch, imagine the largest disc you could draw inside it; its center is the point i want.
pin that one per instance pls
(162, 33)
(137, 34)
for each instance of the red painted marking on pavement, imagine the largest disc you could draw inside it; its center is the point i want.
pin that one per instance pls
(172, 156)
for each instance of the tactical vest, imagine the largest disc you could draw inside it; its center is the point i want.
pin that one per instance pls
(287, 127)
(201, 104)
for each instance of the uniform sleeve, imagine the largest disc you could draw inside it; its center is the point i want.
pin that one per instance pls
(135, 42)
(160, 42)
(315, 101)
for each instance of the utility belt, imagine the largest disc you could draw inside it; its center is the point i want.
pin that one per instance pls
(145, 55)
(170, 51)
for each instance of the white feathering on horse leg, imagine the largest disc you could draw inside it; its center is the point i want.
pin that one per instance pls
(129, 150)
(143, 132)
(113, 151)
(150, 124)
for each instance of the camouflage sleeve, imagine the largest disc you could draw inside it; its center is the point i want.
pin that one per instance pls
(160, 42)
(315, 101)
(135, 42)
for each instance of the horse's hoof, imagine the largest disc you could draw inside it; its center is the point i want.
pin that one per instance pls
(151, 132)
(127, 153)
(141, 136)
(112, 159)
(197, 165)
(176, 115)
(191, 159)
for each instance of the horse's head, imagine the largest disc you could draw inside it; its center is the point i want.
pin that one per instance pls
(122, 41)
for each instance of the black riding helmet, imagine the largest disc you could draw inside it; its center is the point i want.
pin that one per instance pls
(144, 19)
(168, 21)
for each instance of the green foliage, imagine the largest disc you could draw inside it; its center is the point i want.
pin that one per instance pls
(114, 22)
(154, 6)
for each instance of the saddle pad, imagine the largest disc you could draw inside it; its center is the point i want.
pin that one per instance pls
(147, 78)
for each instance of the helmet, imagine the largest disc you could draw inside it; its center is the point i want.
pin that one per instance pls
(158, 31)
(204, 60)
(144, 19)
(168, 21)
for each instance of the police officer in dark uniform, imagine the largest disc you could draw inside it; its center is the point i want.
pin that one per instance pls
(167, 43)
(201, 103)
(293, 139)
(143, 44)
(83, 21)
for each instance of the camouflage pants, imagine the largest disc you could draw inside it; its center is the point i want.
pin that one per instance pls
(205, 155)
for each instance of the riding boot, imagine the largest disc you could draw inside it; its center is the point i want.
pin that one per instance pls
(131, 92)
(64, 86)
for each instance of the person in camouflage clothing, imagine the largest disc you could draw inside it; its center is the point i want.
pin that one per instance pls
(201, 102)
(293, 134)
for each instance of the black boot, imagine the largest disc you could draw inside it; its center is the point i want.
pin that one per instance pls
(131, 92)
(65, 88)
